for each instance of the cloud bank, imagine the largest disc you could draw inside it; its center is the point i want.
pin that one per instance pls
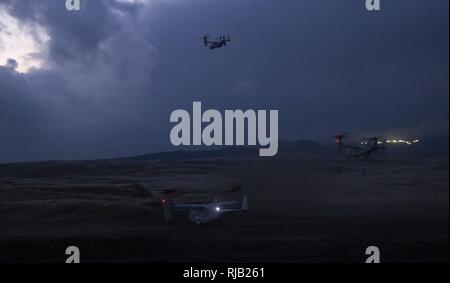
(104, 80)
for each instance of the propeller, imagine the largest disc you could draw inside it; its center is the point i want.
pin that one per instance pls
(339, 140)
(236, 188)
(341, 136)
(205, 39)
(205, 36)
(224, 38)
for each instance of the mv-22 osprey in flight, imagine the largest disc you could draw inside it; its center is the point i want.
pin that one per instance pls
(220, 42)
(201, 213)
(372, 146)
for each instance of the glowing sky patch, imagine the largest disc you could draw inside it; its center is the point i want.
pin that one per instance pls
(24, 43)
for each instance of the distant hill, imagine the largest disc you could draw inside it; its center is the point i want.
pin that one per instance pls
(437, 146)
(303, 146)
(191, 154)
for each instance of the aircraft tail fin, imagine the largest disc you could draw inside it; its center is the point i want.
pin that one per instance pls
(241, 197)
(244, 203)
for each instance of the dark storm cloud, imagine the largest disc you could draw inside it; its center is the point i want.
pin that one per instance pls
(89, 103)
(117, 70)
(327, 65)
(75, 36)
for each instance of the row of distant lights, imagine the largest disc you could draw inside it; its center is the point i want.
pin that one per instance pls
(394, 141)
(403, 141)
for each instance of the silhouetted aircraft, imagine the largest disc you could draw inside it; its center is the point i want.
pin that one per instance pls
(218, 43)
(204, 212)
(367, 148)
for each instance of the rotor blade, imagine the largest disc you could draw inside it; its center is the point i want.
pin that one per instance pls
(169, 191)
(205, 36)
(236, 188)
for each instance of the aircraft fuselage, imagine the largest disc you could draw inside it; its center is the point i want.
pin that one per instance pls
(215, 45)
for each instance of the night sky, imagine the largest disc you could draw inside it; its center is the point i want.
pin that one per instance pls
(102, 82)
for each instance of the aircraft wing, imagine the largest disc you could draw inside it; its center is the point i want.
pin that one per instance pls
(230, 210)
(198, 207)
(230, 206)
(228, 203)
(353, 147)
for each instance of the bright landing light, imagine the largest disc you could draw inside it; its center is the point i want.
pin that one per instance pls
(21, 42)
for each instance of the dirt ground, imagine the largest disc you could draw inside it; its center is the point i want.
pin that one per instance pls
(301, 209)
